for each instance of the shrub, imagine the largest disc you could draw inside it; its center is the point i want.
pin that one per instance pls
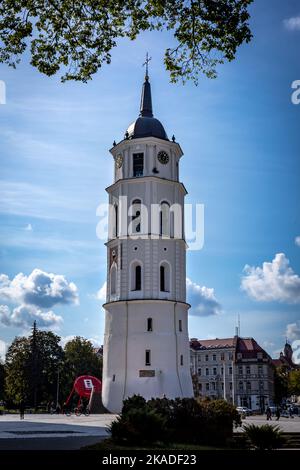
(183, 420)
(264, 437)
(138, 426)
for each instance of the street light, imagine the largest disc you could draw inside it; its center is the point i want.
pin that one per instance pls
(57, 384)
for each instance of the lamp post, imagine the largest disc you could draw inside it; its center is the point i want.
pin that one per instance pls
(57, 388)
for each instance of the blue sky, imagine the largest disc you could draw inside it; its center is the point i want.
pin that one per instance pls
(240, 137)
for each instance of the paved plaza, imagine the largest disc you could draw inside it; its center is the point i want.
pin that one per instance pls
(44, 432)
(286, 424)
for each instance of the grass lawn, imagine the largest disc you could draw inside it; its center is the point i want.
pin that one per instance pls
(108, 444)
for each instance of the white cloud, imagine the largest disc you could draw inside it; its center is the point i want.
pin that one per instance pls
(202, 299)
(40, 289)
(275, 281)
(297, 241)
(292, 331)
(28, 228)
(25, 315)
(101, 294)
(293, 23)
(3, 349)
(36, 294)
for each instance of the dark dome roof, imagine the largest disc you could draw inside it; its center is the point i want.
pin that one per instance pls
(146, 127)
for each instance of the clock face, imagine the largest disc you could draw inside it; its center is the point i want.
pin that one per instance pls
(163, 157)
(119, 161)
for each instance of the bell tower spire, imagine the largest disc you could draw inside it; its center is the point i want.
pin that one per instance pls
(146, 101)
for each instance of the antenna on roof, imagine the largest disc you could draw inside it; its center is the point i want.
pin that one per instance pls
(239, 325)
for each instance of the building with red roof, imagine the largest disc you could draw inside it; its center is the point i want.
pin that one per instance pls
(236, 369)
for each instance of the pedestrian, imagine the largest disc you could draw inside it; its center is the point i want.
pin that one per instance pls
(291, 412)
(22, 408)
(269, 414)
(277, 413)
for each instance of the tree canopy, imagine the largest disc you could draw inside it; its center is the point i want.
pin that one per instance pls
(31, 367)
(76, 37)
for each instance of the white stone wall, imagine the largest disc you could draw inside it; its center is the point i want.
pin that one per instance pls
(126, 336)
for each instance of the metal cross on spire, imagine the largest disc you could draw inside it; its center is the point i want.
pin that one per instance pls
(146, 64)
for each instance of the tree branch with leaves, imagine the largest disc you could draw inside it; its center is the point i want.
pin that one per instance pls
(76, 37)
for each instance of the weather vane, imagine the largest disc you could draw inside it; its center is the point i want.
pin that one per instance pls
(146, 64)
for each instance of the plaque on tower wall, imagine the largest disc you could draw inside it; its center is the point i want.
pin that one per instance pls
(147, 373)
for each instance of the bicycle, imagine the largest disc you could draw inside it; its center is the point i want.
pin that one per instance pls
(81, 410)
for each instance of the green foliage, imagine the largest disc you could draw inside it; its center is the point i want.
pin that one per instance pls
(294, 382)
(2, 380)
(138, 427)
(280, 385)
(185, 420)
(77, 36)
(31, 367)
(265, 437)
(79, 359)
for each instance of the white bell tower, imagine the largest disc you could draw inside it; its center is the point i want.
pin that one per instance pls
(146, 345)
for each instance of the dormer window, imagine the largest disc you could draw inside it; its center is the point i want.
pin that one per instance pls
(138, 164)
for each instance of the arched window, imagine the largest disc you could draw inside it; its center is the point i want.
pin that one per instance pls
(138, 277)
(113, 279)
(164, 219)
(164, 277)
(116, 221)
(136, 216)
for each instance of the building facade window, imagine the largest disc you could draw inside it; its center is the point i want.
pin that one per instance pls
(138, 164)
(164, 219)
(113, 279)
(248, 370)
(206, 357)
(215, 371)
(206, 371)
(230, 370)
(199, 371)
(149, 324)
(135, 210)
(207, 386)
(230, 356)
(230, 385)
(248, 386)
(147, 357)
(240, 370)
(261, 385)
(138, 277)
(180, 325)
(213, 385)
(164, 277)
(260, 370)
(222, 357)
(181, 359)
(241, 386)
(116, 221)
(214, 357)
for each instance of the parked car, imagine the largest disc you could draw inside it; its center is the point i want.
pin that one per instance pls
(244, 411)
